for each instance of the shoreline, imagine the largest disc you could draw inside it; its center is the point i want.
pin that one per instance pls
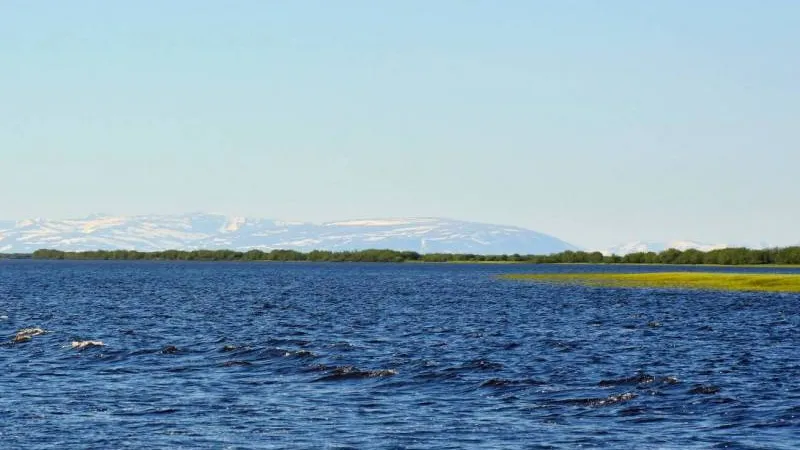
(498, 263)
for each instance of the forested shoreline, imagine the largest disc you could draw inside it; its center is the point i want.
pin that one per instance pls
(728, 256)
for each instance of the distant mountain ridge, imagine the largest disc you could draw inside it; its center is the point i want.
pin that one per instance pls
(215, 231)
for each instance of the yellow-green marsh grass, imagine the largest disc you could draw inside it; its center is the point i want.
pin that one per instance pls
(680, 280)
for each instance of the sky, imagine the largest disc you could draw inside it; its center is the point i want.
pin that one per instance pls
(598, 122)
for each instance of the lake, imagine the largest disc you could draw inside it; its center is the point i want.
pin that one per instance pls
(277, 355)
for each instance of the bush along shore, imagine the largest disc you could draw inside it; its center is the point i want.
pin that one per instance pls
(674, 280)
(728, 256)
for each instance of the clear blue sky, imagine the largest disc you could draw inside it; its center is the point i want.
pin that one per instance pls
(596, 121)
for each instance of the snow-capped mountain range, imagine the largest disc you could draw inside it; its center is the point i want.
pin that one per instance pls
(214, 231)
(644, 247)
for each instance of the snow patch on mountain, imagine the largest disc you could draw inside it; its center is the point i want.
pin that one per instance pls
(234, 224)
(650, 246)
(380, 222)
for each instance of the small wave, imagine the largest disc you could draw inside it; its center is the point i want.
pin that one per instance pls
(344, 346)
(319, 368)
(26, 334)
(274, 353)
(237, 363)
(705, 389)
(147, 412)
(476, 364)
(601, 401)
(289, 342)
(562, 346)
(669, 380)
(300, 354)
(633, 411)
(436, 376)
(154, 351)
(84, 345)
(352, 372)
(640, 378)
(242, 350)
(501, 382)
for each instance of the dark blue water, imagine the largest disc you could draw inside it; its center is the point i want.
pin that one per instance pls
(206, 355)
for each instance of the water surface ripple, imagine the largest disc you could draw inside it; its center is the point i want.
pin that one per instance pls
(271, 355)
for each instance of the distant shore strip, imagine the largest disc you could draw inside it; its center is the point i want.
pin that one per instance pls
(673, 280)
(727, 256)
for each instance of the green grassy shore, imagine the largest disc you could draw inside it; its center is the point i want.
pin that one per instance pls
(686, 280)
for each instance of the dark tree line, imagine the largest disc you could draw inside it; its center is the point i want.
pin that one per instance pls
(728, 256)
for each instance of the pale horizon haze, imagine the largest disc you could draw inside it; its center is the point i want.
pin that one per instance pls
(598, 122)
